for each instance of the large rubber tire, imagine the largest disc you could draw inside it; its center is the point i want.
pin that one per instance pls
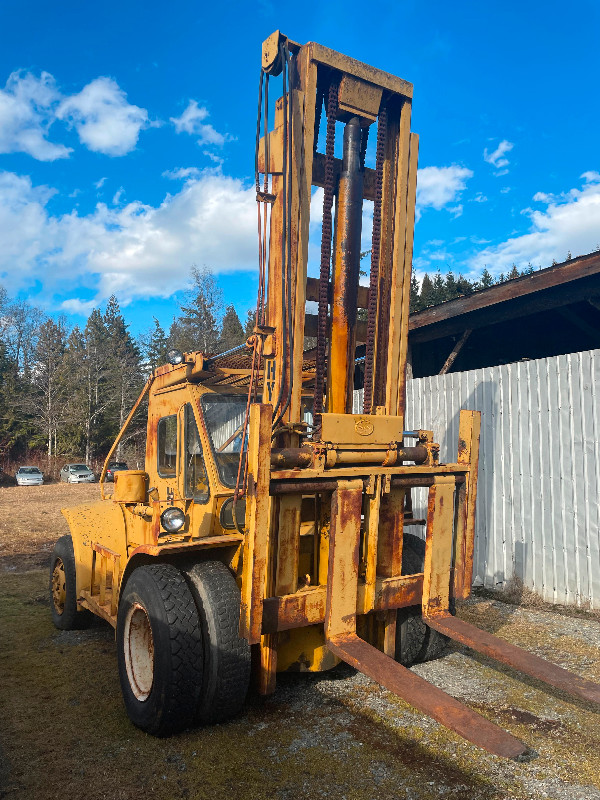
(63, 595)
(415, 641)
(226, 668)
(159, 650)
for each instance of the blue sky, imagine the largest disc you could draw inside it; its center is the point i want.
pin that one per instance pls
(127, 138)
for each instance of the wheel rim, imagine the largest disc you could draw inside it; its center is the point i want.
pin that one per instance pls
(59, 586)
(139, 651)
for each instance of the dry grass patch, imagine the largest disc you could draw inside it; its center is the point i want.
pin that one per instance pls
(30, 521)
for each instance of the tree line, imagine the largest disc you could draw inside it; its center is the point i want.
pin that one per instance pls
(433, 291)
(66, 391)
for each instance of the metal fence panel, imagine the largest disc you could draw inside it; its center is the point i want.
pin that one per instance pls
(538, 514)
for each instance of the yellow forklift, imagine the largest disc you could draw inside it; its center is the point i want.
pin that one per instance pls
(269, 528)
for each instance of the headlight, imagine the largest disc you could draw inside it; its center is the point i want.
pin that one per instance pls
(226, 514)
(172, 519)
(175, 357)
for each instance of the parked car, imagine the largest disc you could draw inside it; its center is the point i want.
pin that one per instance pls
(29, 476)
(77, 473)
(113, 467)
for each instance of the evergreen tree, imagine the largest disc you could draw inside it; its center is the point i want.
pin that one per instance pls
(16, 424)
(514, 273)
(464, 286)
(439, 289)
(486, 279)
(414, 294)
(250, 322)
(451, 287)
(232, 333)
(427, 294)
(198, 325)
(95, 371)
(154, 345)
(124, 379)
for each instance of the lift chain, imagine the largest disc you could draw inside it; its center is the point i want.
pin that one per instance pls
(375, 247)
(332, 106)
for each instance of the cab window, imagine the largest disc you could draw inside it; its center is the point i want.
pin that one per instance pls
(166, 435)
(196, 479)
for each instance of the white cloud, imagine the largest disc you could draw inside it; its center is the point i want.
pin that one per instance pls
(133, 251)
(181, 173)
(440, 186)
(99, 184)
(591, 177)
(569, 223)
(497, 159)
(192, 122)
(27, 108)
(76, 306)
(103, 119)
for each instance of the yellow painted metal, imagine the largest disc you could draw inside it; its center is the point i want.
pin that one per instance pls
(131, 486)
(342, 578)
(361, 429)
(258, 512)
(304, 650)
(438, 546)
(359, 98)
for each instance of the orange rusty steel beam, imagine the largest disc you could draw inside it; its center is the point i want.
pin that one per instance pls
(425, 697)
(307, 607)
(312, 293)
(513, 656)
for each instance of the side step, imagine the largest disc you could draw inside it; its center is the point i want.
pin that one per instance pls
(425, 697)
(501, 650)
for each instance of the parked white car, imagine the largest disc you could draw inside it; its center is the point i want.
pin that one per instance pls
(77, 473)
(29, 476)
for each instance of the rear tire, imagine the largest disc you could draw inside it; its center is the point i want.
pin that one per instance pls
(226, 668)
(66, 615)
(415, 640)
(159, 650)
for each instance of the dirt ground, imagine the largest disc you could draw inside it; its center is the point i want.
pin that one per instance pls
(30, 521)
(64, 733)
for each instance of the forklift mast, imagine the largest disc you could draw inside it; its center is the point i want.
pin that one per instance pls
(326, 489)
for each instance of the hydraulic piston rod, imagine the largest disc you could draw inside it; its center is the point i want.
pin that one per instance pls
(348, 225)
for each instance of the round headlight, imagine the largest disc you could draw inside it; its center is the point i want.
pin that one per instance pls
(172, 519)
(226, 514)
(175, 357)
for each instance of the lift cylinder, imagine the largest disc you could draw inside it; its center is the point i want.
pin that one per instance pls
(348, 225)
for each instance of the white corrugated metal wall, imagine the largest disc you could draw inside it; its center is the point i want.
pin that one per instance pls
(539, 476)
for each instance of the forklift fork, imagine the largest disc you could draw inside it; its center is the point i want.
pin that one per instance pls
(343, 641)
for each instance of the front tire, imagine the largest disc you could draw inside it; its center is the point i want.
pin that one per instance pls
(66, 615)
(415, 640)
(159, 650)
(226, 672)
